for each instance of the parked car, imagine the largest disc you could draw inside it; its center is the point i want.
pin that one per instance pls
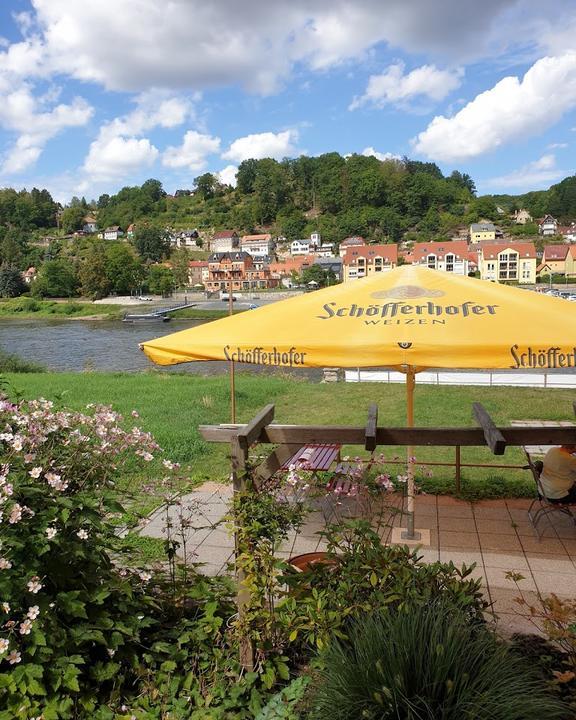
(145, 297)
(226, 296)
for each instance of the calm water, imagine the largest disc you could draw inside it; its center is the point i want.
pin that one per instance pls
(106, 345)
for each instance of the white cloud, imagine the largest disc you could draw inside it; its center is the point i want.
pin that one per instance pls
(118, 150)
(557, 146)
(227, 176)
(110, 158)
(136, 44)
(371, 152)
(263, 145)
(535, 175)
(393, 87)
(193, 151)
(36, 123)
(512, 110)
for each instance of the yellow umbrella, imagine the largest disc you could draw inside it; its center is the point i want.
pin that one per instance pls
(409, 318)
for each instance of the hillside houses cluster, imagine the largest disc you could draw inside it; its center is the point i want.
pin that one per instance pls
(259, 261)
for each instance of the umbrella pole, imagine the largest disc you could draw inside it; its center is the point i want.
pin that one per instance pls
(410, 534)
(232, 378)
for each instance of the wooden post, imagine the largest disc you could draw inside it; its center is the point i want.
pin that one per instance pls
(239, 448)
(371, 426)
(458, 467)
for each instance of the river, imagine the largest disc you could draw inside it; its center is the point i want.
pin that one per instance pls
(107, 345)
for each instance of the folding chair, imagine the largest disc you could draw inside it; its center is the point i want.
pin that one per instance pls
(546, 507)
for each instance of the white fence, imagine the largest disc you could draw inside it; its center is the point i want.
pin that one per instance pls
(476, 377)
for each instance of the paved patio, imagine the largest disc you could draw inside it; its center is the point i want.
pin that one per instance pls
(494, 534)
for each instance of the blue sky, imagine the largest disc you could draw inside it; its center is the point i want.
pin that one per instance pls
(99, 94)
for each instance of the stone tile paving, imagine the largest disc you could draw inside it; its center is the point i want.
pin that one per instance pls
(494, 534)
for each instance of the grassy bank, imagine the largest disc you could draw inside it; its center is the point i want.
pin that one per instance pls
(25, 308)
(193, 313)
(172, 406)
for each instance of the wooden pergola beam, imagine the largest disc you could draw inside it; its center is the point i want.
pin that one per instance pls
(494, 438)
(401, 436)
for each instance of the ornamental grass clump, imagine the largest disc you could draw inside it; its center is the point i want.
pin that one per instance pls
(427, 663)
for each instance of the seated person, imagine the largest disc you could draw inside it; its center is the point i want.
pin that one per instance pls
(558, 476)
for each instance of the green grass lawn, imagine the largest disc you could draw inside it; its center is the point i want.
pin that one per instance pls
(172, 406)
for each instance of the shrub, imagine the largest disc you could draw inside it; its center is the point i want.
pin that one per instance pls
(427, 663)
(70, 618)
(13, 363)
(364, 575)
(84, 633)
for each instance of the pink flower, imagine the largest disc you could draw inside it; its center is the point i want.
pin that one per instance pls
(135, 414)
(34, 585)
(3, 645)
(82, 534)
(25, 627)
(5, 607)
(5, 564)
(15, 514)
(33, 612)
(51, 532)
(35, 472)
(14, 658)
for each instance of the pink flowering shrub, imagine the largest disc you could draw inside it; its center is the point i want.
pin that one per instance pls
(70, 615)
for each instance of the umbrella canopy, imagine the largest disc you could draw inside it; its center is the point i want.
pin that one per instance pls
(409, 317)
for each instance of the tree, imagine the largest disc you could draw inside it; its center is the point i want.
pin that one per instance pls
(92, 274)
(151, 242)
(463, 180)
(73, 218)
(246, 176)
(317, 274)
(124, 270)
(180, 267)
(14, 248)
(206, 185)
(103, 201)
(11, 282)
(160, 280)
(56, 278)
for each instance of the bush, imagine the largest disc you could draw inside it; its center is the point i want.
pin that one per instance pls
(84, 633)
(427, 663)
(365, 575)
(15, 364)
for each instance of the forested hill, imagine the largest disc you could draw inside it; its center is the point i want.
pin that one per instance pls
(337, 196)
(559, 200)
(331, 194)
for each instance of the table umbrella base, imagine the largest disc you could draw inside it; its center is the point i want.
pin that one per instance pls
(420, 537)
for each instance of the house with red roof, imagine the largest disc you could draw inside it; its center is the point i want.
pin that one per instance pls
(349, 242)
(508, 262)
(363, 260)
(224, 241)
(559, 260)
(197, 272)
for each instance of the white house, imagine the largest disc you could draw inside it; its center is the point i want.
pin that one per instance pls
(259, 246)
(90, 224)
(326, 250)
(114, 232)
(450, 256)
(548, 225)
